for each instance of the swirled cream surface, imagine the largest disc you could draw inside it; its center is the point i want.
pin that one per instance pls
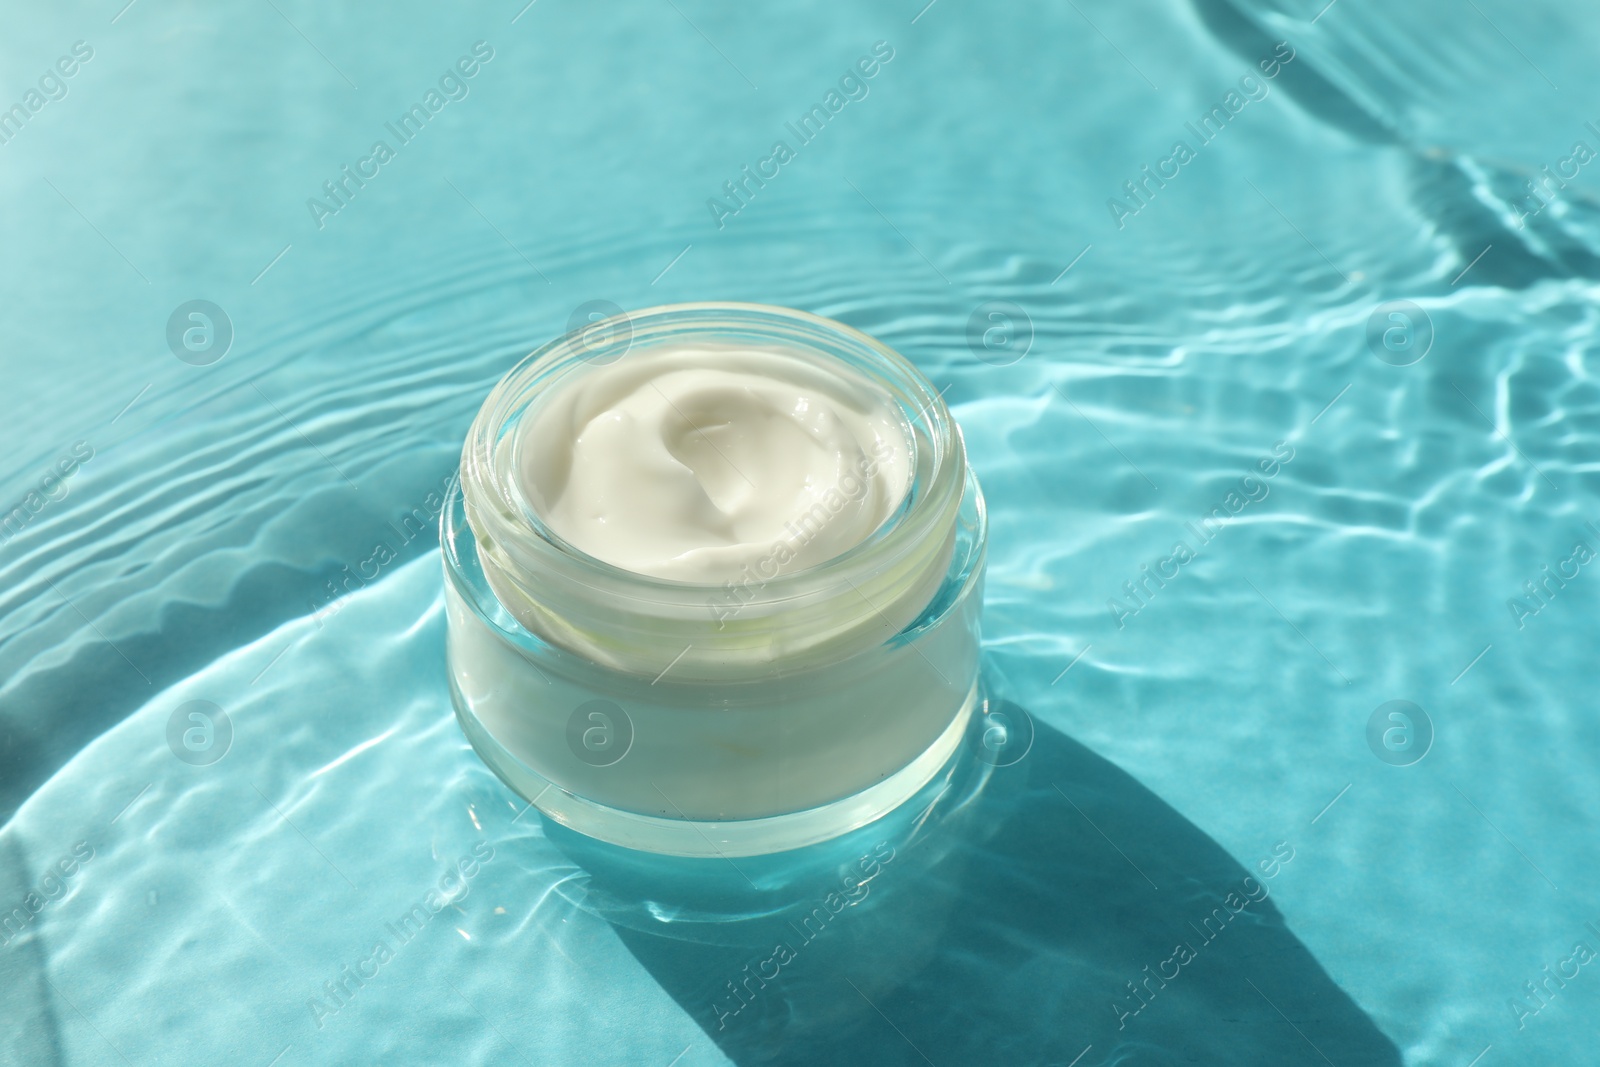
(706, 464)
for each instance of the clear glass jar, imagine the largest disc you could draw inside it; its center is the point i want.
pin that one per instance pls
(698, 719)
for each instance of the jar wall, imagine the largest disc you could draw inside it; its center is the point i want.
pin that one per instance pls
(743, 757)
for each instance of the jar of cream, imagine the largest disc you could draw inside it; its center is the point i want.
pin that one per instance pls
(713, 579)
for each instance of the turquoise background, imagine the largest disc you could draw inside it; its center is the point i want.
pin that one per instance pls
(204, 551)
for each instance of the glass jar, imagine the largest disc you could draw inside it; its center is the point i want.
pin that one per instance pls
(697, 719)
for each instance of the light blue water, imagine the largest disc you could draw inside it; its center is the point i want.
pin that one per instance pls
(1222, 727)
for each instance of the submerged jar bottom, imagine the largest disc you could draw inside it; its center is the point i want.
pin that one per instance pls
(731, 838)
(697, 768)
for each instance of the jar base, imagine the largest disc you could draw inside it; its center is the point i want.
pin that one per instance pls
(704, 838)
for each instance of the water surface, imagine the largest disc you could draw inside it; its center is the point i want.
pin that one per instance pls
(1162, 355)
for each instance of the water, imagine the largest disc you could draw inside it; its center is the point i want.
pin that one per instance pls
(199, 554)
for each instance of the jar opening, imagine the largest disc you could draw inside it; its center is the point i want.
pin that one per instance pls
(763, 615)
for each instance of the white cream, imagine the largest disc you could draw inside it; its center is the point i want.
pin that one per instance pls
(704, 464)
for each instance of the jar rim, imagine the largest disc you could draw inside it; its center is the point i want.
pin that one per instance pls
(548, 579)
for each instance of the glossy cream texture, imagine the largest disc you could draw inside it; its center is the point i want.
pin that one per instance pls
(705, 464)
